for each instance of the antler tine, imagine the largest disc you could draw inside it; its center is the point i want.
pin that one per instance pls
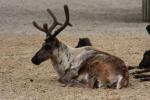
(55, 22)
(65, 23)
(45, 26)
(37, 26)
(44, 29)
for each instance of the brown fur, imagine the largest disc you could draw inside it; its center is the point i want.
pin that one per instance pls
(101, 69)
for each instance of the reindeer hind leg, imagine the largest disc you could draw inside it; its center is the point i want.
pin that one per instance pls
(120, 82)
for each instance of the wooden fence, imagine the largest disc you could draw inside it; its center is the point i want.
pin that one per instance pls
(146, 10)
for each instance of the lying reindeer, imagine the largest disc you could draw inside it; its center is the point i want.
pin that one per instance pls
(144, 64)
(85, 66)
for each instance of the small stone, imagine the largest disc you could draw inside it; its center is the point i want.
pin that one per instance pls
(31, 80)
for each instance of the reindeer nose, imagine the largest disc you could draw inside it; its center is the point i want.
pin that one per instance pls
(35, 61)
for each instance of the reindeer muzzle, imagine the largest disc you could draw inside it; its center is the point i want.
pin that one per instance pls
(36, 61)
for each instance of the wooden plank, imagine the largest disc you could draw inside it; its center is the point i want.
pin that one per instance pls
(146, 10)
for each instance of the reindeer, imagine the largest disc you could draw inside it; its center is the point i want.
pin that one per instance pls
(144, 64)
(85, 66)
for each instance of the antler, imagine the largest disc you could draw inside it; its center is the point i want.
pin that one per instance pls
(66, 23)
(55, 22)
(49, 30)
(45, 28)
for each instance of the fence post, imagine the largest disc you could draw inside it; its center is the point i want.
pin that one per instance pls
(146, 10)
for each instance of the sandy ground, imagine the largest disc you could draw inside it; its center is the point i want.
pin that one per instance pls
(17, 71)
(115, 17)
(115, 27)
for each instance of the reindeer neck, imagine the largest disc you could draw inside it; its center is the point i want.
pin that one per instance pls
(61, 57)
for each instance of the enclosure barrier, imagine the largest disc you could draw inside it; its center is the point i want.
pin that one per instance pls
(146, 10)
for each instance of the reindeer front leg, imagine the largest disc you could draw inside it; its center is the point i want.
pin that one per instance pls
(69, 75)
(70, 79)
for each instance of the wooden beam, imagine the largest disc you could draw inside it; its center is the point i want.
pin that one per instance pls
(146, 10)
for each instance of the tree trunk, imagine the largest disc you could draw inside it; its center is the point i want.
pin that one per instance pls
(146, 10)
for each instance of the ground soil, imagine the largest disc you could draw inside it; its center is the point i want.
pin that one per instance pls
(115, 27)
(21, 80)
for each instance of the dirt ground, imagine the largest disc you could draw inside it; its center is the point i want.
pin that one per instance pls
(115, 27)
(113, 17)
(21, 80)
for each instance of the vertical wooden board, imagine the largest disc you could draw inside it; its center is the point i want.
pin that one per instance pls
(146, 10)
(143, 10)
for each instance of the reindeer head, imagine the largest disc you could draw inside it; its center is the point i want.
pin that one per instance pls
(51, 42)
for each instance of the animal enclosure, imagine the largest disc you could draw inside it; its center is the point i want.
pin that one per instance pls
(115, 27)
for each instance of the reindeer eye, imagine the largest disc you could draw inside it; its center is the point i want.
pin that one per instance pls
(47, 47)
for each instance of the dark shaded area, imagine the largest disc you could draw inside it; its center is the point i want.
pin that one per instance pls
(141, 75)
(145, 63)
(141, 71)
(145, 79)
(83, 42)
(132, 67)
(148, 29)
